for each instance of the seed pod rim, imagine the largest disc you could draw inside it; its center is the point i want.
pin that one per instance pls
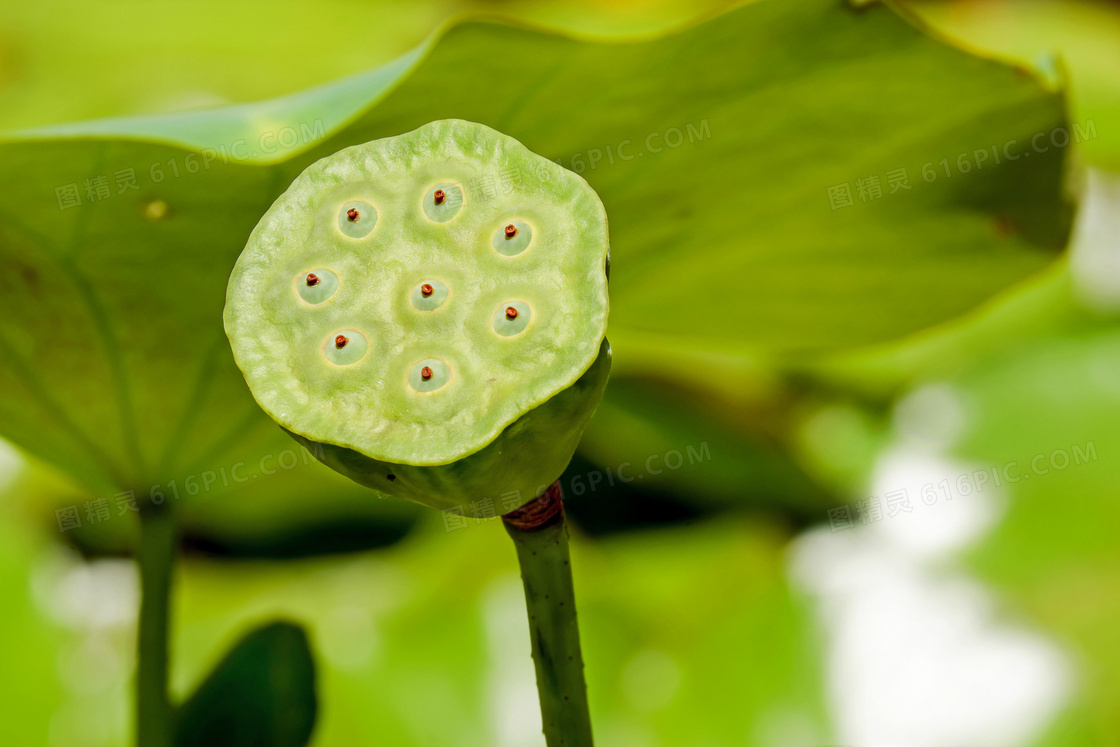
(464, 140)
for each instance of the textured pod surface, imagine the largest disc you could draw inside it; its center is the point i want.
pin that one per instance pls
(409, 299)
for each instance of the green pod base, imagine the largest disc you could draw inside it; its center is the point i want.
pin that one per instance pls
(518, 465)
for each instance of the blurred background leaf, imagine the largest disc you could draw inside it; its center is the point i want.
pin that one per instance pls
(1028, 386)
(261, 694)
(426, 643)
(693, 632)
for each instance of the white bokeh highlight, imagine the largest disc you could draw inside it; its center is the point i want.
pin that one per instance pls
(917, 651)
(1095, 250)
(515, 717)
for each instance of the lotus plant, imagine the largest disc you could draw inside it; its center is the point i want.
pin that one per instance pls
(427, 313)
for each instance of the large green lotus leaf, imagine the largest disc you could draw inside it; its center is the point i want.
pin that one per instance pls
(266, 498)
(305, 510)
(65, 62)
(1071, 299)
(1046, 306)
(1080, 36)
(113, 360)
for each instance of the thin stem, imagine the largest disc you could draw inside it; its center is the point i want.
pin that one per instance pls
(156, 558)
(540, 535)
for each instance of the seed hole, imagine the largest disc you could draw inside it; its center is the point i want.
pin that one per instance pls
(429, 375)
(442, 202)
(317, 287)
(511, 318)
(346, 347)
(356, 219)
(429, 295)
(512, 239)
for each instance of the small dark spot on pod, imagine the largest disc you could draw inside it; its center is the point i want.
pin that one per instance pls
(425, 373)
(511, 231)
(391, 477)
(352, 214)
(312, 279)
(440, 196)
(426, 290)
(340, 342)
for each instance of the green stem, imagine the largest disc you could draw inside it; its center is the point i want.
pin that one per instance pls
(540, 535)
(156, 558)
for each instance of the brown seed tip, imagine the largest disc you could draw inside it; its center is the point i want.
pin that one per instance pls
(340, 341)
(425, 373)
(352, 214)
(511, 231)
(440, 196)
(426, 290)
(312, 279)
(511, 313)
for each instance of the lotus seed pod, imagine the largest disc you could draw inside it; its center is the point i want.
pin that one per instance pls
(427, 313)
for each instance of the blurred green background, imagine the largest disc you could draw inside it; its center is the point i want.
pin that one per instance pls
(737, 600)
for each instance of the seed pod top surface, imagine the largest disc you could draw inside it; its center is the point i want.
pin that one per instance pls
(411, 297)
